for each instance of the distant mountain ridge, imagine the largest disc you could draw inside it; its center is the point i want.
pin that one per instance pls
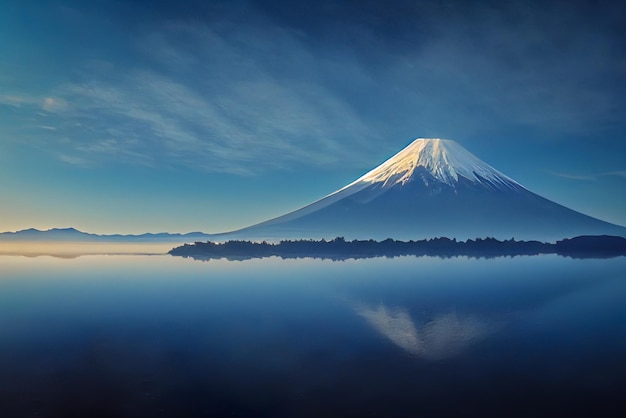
(74, 235)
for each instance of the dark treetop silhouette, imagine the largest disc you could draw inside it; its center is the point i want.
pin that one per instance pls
(340, 249)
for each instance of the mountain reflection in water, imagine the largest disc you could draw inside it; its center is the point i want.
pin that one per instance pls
(442, 337)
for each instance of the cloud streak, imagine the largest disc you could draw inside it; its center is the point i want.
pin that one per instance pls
(49, 104)
(248, 92)
(591, 177)
(573, 176)
(238, 114)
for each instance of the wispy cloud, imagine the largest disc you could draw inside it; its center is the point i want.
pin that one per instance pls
(573, 176)
(621, 173)
(239, 113)
(245, 96)
(76, 161)
(54, 104)
(595, 176)
(49, 104)
(13, 100)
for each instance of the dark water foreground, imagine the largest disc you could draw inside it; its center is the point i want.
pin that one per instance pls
(600, 246)
(161, 336)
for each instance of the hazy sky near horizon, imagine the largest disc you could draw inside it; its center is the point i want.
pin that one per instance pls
(134, 116)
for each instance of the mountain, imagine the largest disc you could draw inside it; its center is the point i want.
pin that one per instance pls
(74, 235)
(431, 188)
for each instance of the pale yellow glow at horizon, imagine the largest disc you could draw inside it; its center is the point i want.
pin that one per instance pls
(75, 249)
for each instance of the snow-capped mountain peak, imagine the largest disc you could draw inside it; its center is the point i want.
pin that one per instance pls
(431, 188)
(444, 159)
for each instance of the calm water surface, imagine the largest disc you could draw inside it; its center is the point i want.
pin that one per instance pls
(160, 336)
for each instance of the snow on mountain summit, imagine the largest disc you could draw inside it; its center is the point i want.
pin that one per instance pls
(444, 159)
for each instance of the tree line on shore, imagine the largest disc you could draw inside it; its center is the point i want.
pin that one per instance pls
(601, 246)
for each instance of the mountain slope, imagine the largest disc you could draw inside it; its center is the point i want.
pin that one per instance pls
(433, 187)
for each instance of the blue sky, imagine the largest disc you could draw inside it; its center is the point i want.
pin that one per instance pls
(136, 116)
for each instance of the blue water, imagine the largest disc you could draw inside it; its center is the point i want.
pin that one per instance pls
(161, 336)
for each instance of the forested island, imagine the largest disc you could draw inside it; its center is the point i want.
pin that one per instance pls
(602, 246)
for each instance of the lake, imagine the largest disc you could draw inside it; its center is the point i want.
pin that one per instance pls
(161, 336)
